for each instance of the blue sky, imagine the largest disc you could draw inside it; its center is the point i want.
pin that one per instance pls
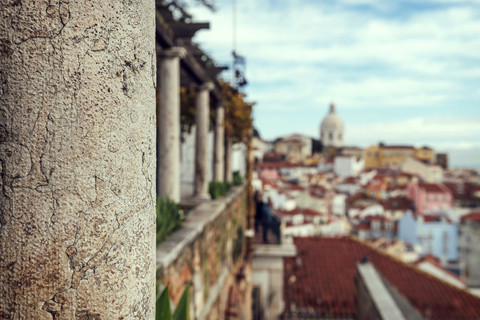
(398, 71)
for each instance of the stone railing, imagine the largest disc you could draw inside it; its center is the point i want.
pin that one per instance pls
(208, 252)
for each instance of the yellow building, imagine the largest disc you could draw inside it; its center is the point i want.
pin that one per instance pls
(383, 156)
(425, 154)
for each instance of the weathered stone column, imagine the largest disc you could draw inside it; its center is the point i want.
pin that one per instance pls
(219, 168)
(202, 108)
(77, 159)
(228, 159)
(168, 123)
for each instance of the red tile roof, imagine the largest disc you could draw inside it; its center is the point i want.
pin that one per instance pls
(305, 212)
(292, 187)
(433, 187)
(397, 203)
(474, 216)
(272, 165)
(355, 196)
(463, 191)
(363, 226)
(350, 180)
(435, 218)
(320, 281)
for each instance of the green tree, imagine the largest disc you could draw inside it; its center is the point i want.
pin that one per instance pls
(238, 114)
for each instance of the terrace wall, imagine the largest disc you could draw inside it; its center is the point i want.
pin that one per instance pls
(208, 252)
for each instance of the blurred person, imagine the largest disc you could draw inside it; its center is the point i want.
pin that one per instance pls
(266, 219)
(257, 197)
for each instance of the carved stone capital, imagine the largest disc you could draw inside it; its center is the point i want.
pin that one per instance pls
(173, 52)
(209, 86)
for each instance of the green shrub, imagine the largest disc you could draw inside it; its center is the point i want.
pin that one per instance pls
(237, 178)
(169, 218)
(162, 306)
(218, 189)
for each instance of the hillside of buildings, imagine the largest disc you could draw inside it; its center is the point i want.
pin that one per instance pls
(395, 201)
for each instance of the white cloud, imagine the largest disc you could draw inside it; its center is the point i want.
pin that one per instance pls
(303, 54)
(441, 132)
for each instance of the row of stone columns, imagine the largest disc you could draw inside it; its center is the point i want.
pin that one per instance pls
(77, 159)
(168, 130)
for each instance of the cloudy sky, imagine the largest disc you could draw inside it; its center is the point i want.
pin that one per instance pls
(398, 71)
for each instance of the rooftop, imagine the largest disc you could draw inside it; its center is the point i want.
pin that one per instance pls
(397, 203)
(396, 147)
(474, 216)
(320, 281)
(433, 187)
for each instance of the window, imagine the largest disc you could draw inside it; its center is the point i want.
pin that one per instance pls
(339, 136)
(388, 226)
(330, 136)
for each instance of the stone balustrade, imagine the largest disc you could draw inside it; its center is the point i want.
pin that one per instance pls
(208, 252)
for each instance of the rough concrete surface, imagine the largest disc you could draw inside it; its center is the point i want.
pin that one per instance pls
(77, 147)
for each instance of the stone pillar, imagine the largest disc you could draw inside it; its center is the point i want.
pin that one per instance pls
(202, 108)
(228, 159)
(219, 168)
(168, 123)
(77, 160)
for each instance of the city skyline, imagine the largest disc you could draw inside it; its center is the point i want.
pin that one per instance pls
(399, 72)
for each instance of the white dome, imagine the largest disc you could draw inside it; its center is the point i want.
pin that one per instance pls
(331, 129)
(332, 122)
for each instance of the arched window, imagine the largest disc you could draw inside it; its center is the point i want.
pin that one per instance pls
(330, 136)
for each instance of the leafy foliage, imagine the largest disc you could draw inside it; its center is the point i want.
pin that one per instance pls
(163, 311)
(256, 133)
(187, 108)
(238, 114)
(162, 306)
(169, 218)
(179, 8)
(237, 178)
(218, 189)
(182, 310)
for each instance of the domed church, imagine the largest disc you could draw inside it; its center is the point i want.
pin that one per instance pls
(332, 129)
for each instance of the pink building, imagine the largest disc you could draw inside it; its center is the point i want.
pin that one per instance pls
(268, 170)
(429, 197)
